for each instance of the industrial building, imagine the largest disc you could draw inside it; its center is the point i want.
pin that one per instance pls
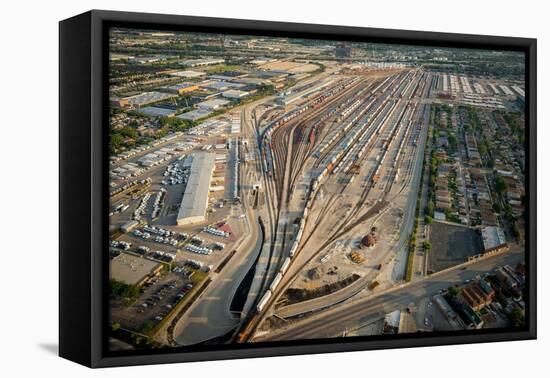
(148, 59)
(493, 238)
(202, 62)
(235, 124)
(302, 95)
(262, 60)
(229, 75)
(212, 104)
(235, 94)
(194, 115)
(133, 270)
(153, 111)
(188, 74)
(182, 88)
(195, 199)
(147, 98)
(217, 85)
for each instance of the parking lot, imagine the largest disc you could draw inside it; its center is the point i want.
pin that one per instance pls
(160, 295)
(451, 245)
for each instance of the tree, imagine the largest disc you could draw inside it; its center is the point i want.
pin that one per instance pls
(500, 185)
(482, 148)
(427, 245)
(433, 179)
(116, 142)
(120, 290)
(517, 317)
(428, 219)
(147, 327)
(128, 132)
(453, 142)
(453, 291)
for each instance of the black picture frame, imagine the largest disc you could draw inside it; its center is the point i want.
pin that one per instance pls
(83, 196)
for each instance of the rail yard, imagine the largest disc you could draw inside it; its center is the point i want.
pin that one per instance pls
(308, 187)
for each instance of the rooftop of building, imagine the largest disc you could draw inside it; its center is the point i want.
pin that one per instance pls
(131, 269)
(195, 198)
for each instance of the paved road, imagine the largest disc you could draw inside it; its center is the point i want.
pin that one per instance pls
(336, 321)
(210, 315)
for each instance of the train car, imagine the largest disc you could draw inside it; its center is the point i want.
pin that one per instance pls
(263, 301)
(285, 265)
(293, 249)
(275, 282)
(299, 235)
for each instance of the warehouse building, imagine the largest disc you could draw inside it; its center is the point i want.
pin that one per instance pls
(181, 88)
(195, 199)
(195, 115)
(147, 98)
(188, 74)
(202, 62)
(153, 111)
(213, 104)
(133, 270)
(235, 94)
(493, 238)
(216, 85)
(229, 75)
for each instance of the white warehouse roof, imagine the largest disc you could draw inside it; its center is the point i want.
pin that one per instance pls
(148, 98)
(195, 199)
(188, 74)
(212, 104)
(153, 111)
(235, 93)
(493, 237)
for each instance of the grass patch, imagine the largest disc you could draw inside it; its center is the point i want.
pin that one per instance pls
(222, 68)
(125, 293)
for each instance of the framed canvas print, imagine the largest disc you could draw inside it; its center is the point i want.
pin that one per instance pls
(234, 188)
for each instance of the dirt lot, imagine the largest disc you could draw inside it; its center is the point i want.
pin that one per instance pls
(289, 66)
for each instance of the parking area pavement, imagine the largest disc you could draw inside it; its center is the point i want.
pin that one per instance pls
(160, 295)
(451, 245)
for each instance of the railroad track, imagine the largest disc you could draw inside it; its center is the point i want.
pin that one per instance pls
(301, 126)
(347, 224)
(279, 155)
(349, 217)
(299, 156)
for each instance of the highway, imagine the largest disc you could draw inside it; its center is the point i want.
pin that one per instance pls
(334, 322)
